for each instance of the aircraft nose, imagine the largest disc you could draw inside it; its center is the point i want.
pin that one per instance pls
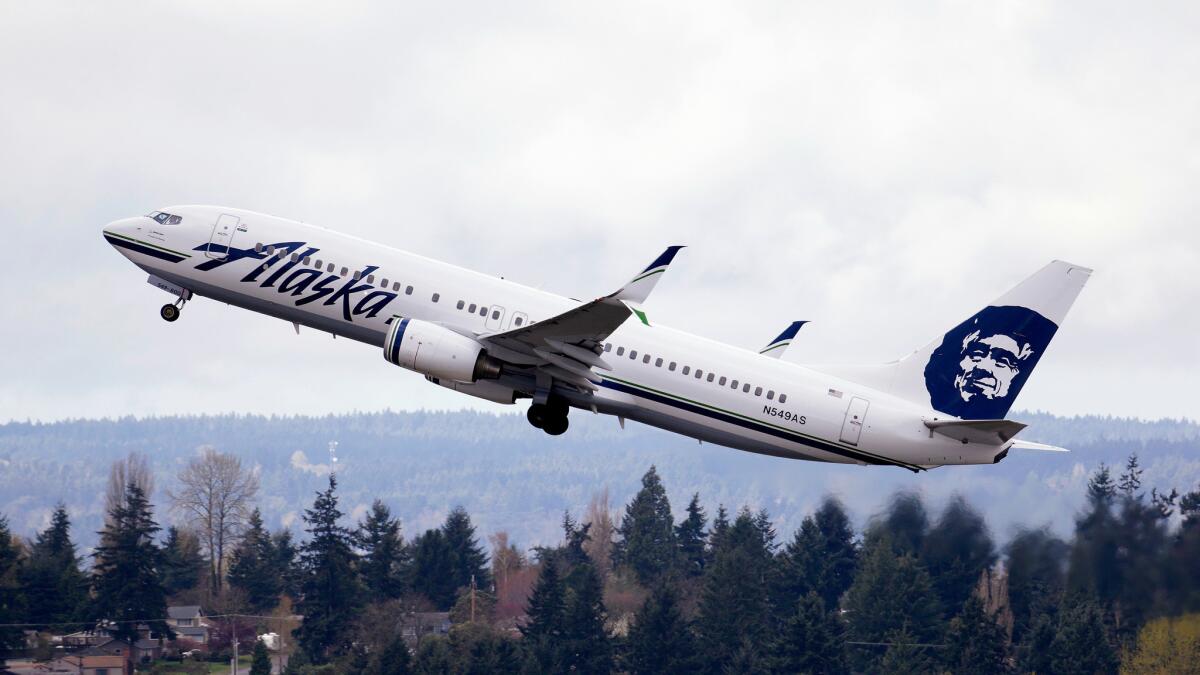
(124, 228)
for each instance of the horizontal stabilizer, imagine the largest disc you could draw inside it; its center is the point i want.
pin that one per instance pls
(1030, 445)
(991, 432)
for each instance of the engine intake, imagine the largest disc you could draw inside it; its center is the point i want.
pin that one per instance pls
(434, 351)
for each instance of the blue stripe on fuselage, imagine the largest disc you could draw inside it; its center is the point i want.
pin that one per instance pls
(144, 250)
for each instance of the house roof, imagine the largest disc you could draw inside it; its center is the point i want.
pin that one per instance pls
(184, 612)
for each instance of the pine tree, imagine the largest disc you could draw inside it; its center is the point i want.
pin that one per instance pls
(1130, 482)
(260, 662)
(1081, 645)
(252, 569)
(660, 640)
(735, 605)
(975, 643)
(52, 575)
(905, 655)
(716, 536)
(285, 564)
(1036, 576)
(890, 592)
(126, 577)
(811, 640)
(956, 551)
(467, 557)
(394, 659)
(431, 560)
(383, 559)
(11, 600)
(586, 644)
(821, 557)
(1094, 568)
(330, 592)
(647, 532)
(691, 537)
(546, 612)
(1036, 650)
(183, 565)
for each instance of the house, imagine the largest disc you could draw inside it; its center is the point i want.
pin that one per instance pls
(417, 625)
(189, 623)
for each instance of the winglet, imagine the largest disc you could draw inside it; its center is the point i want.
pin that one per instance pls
(779, 345)
(638, 289)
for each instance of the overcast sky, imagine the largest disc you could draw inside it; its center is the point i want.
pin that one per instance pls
(881, 169)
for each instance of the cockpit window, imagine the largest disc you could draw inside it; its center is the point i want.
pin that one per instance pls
(165, 218)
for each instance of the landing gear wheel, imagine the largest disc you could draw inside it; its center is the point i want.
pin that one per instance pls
(169, 312)
(556, 426)
(536, 415)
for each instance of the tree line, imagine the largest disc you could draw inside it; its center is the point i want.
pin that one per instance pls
(913, 591)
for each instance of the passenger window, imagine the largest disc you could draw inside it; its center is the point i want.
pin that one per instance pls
(385, 283)
(460, 304)
(357, 275)
(620, 351)
(519, 321)
(746, 388)
(783, 398)
(329, 268)
(758, 391)
(646, 359)
(671, 367)
(258, 247)
(770, 394)
(721, 381)
(437, 296)
(295, 257)
(270, 250)
(733, 385)
(633, 354)
(318, 263)
(658, 362)
(687, 369)
(608, 346)
(495, 314)
(483, 311)
(371, 279)
(305, 261)
(699, 373)
(710, 377)
(471, 309)
(345, 271)
(407, 291)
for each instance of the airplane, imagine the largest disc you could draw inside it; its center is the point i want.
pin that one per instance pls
(943, 404)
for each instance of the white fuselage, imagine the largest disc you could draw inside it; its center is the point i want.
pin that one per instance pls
(788, 411)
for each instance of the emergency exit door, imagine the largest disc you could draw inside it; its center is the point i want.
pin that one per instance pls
(855, 415)
(222, 236)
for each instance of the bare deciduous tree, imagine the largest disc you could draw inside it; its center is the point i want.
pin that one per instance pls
(215, 496)
(133, 469)
(599, 546)
(506, 559)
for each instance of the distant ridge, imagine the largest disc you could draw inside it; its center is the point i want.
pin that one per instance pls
(510, 477)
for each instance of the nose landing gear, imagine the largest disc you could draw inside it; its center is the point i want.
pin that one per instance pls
(170, 311)
(550, 417)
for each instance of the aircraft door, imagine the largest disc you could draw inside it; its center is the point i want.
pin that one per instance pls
(855, 415)
(222, 236)
(495, 318)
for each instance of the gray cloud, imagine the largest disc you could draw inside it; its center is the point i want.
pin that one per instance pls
(879, 170)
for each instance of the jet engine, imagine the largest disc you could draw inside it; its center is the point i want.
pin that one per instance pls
(484, 389)
(435, 351)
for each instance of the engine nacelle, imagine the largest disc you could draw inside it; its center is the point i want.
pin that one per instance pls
(484, 389)
(438, 352)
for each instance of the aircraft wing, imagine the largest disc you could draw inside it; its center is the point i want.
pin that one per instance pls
(567, 346)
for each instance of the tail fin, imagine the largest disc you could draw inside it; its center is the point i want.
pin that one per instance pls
(976, 370)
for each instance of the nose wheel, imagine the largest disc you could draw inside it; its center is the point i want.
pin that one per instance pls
(549, 417)
(170, 311)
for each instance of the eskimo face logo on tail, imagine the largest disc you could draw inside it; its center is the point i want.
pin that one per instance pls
(982, 363)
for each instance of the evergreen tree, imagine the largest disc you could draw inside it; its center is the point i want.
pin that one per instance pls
(735, 603)
(127, 582)
(1143, 545)
(434, 657)
(260, 662)
(905, 524)
(431, 561)
(1183, 563)
(1081, 645)
(975, 643)
(383, 559)
(11, 601)
(546, 612)
(394, 659)
(586, 645)
(1094, 568)
(1130, 482)
(956, 551)
(286, 555)
(691, 537)
(716, 537)
(811, 640)
(183, 565)
(1036, 650)
(253, 569)
(660, 640)
(905, 655)
(467, 557)
(820, 558)
(890, 592)
(330, 592)
(52, 575)
(647, 532)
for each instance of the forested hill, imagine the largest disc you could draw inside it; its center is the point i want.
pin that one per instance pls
(511, 477)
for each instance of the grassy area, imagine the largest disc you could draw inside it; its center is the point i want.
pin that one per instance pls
(187, 667)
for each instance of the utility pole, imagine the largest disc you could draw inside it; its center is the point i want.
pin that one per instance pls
(233, 667)
(472, 601)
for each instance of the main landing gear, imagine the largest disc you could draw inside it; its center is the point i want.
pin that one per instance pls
(550, 417)
(170, 311)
